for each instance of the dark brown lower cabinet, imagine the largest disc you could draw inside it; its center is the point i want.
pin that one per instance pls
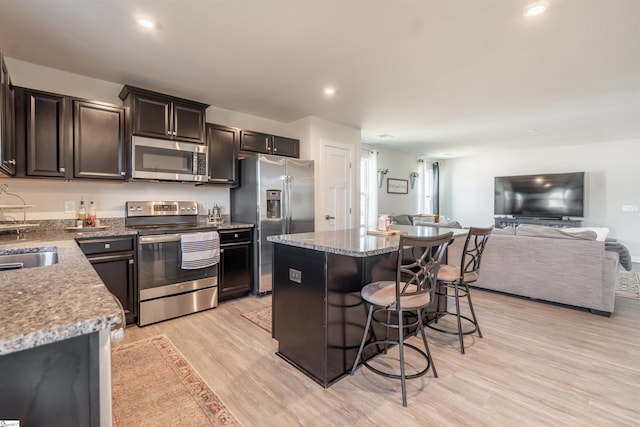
(113, 258)
(235, 273)
(56, 384)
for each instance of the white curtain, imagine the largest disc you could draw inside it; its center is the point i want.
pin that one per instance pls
(368, 188)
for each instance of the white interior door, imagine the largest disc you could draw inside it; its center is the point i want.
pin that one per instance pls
(336, 187)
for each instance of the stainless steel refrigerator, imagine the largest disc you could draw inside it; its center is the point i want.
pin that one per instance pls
(276, 195)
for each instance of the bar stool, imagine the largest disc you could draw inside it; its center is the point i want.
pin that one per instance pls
(418, 260)
(458, 278)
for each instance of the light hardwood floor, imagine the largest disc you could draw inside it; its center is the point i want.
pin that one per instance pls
(538, 365)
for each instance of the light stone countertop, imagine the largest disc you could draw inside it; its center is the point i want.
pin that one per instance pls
(357, 242)
(41, 305)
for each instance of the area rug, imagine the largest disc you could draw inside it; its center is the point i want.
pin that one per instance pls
(261, 317)
(628, 284)
(154, 385)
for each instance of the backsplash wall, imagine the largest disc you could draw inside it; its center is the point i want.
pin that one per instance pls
(49, 196)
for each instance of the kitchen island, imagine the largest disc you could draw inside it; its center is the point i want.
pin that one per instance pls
(318, 313)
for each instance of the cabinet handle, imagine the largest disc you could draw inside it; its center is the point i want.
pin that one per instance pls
(11, 162)
(266, 144)
(62, 170)
(221, 251)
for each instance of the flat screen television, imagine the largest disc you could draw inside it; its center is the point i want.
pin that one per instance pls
(555, 195)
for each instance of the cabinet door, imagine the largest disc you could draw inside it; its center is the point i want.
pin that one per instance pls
(98, 140)
(7, 140)
(235, 271)
(188, 123)
(151, 116)
(255, 141)
(223, 145)
(286, 146)
(46, 134)
(116, 271)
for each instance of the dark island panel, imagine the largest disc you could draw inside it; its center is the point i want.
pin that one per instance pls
(318, 313)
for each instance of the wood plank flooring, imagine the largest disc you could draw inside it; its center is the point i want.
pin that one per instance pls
(538, 365)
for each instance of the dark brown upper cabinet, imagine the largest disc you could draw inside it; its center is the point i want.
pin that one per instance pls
(7, 135)
(163, 116)
(269, 144)
(98, 140)
(42, 134)
(286, 146)
(223, 143)
(62, 137)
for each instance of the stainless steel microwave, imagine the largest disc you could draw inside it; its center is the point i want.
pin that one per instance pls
(168, 160)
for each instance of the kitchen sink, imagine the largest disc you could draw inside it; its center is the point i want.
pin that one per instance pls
(13, 259)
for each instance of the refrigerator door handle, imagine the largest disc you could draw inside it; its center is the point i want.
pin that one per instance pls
(287, 204)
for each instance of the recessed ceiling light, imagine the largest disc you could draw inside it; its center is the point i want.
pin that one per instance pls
(329, 91)
(535, 10)
(147, 23)
(385, 135)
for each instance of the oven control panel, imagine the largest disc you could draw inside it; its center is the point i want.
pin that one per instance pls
(161, 208)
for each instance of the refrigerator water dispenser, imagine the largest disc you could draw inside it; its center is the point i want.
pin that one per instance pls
(274, 204)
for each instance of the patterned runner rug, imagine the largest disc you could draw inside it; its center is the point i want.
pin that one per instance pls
(628, 284)
(261, 317)
(154, 385)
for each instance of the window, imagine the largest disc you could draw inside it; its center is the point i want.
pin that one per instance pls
(426, 188)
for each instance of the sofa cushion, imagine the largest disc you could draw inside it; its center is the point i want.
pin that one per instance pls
(532, 230)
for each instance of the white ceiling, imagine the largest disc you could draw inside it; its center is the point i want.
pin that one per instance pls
(444, 77)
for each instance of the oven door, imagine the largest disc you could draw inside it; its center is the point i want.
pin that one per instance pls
(159, 268)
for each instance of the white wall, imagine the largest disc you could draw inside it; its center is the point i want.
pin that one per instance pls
(400, 165)
(612, 180)
(312, 131)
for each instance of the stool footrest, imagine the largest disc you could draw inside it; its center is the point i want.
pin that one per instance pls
(397, 376)
(468, 320)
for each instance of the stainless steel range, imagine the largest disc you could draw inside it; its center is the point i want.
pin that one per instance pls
(167, 288)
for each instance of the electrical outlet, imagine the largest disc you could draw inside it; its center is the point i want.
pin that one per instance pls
(629, 208)
(69, 206)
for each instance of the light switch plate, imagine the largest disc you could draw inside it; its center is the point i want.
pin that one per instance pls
(69, 206)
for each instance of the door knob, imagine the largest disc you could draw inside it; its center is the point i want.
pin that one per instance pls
(329, 217)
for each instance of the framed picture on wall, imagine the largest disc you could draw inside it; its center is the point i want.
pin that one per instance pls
(397, 186)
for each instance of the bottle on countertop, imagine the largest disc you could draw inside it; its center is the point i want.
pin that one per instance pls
(82, 215)
(91, 216)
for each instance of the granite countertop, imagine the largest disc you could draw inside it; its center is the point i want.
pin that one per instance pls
(357, 242)
(41, 305)
(44, 234)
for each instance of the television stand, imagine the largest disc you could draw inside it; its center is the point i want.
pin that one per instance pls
(501, 222)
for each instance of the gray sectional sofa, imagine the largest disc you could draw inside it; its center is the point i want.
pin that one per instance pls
(548, 264)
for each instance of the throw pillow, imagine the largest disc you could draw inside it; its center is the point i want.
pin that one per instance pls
(506, 231)
(402, 219)
(601, 232)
